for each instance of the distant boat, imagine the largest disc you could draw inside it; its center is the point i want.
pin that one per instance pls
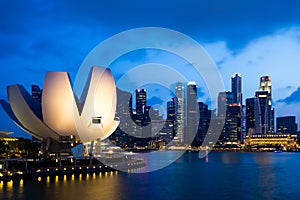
(277, 151)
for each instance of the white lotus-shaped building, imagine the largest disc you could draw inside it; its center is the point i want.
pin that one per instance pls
(61, 113)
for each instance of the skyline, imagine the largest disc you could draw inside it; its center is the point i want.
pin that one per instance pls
(163, 109)
(252, 38)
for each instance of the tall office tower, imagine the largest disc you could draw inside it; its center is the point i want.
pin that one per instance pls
(262, 112)
(124, 113)
(250, 120)
(180, 108)
(36, 93)
(124, 110)
(192, 116)
(171, 109)
(265, 85)
(232, 127)
(204, 121)
(236, 88)
(272, 119)
(231, 112)
(224, 100)
(243, 124)
(141, 98)
(142, 125)
(286, 124)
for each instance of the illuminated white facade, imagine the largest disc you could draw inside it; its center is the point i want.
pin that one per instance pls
(61, 113)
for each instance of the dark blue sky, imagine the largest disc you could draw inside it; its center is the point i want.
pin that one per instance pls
(39, 36)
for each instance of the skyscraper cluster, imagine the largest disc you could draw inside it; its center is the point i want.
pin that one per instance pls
(192, 118)
(254, 118)
(141, 126)
(230, 108)
(188, 121)
(259, 110)
(257, 117)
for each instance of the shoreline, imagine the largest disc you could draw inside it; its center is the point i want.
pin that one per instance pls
(7, 175)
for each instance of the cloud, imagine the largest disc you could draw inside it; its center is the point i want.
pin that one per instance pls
(241, 36)
(276, 55)
(218, 51)
(293, 98)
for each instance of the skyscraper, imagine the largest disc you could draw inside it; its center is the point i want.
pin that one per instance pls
(192, 119)
(204, 121)
(171, 109)
(230, 108)
(236, 88)
(179, 118)
(265, 85)
(140, 101)
(232, 128)
(224, 100)
(124, 110)
(262, 112)
(36, 93)
(286, 124)
(250, 119)
(142, 121)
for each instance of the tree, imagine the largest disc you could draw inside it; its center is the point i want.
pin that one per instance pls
(4, 149)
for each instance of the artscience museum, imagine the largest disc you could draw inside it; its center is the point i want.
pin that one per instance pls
(61, 115)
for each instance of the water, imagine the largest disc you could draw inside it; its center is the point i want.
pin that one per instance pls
(227, 175)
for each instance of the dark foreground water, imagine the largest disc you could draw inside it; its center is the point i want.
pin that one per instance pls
(227, 175)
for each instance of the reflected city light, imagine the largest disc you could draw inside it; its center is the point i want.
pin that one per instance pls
(9, 184)
(21, 183)
(65, 178)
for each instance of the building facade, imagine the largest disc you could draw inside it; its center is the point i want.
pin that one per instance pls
(180, 111)
(250, 119)
(262, 113)
(204, 121)
(286, 124)
(236, 88)
(272, 141)
(192, 117)
(36, 93)
(230, 109)
(265, 85)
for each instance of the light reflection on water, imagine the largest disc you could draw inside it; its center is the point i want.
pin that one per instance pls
(82, 186)
(227, 175)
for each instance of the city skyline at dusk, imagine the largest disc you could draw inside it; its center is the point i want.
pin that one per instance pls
(195, 99)
(239, 36)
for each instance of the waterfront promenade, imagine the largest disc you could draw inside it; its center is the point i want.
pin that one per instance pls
(20, 168)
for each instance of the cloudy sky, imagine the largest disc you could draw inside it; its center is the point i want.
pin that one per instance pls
(253, 38)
